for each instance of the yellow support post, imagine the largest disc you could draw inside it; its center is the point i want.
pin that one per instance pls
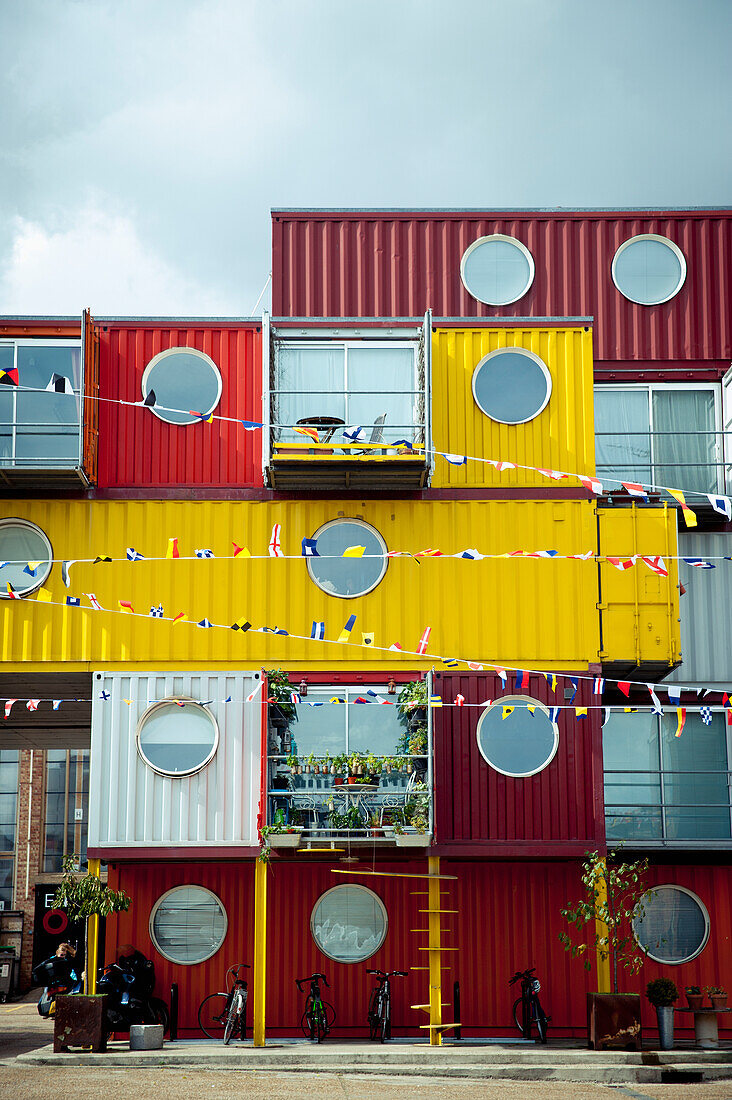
(604, 984)
(260, 950)
(92, 939)
(435, 953)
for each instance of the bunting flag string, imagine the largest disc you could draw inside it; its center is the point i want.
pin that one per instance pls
(318, 634)
(354, 440)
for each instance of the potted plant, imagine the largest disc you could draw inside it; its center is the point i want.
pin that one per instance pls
(662, 993)
(281, 833)
(717, 995)
(411, 823)
(282, 711)
(694, 996)
(612, 898)
(293, 763)
(81, 898)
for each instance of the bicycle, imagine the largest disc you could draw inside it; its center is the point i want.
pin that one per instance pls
(532, 1014)
(319, 1016)
(379, 1014)
(223, 1015)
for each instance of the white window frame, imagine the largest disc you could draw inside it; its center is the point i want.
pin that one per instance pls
(529, 355)
(509, 240)
(707, 924)
(158, 705)
(359, 345)
(41, 342)
(319, 901)
(505, 701)
(38, 581)
(662, 240)
(159, 902)
(177, 351)
(359, 523)
(666, 387)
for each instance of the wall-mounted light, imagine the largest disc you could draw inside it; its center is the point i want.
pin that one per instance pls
(303, 688)
(391, 687)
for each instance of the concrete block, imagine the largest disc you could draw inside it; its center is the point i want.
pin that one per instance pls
(146, 1037)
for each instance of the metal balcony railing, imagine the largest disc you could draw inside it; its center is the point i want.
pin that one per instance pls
(660, 818)
(698, 461)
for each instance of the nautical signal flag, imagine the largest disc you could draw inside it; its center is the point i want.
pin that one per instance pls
(598, 685)
(374, 698)
(699, 563)
(94, 601)
(240, 550)
(459, 700)
(241, 624)
(275, 547)
(125, 605)
(253, 694)
(689, 515)
(59, 384)
(706, 715)
(12, 594)
(355, 434)
(172, 551)
(65, 572)
(456, 460)
(134, 555)
(251, 425)
(9, 377)
(554, 714)
(157, 612)
(205, 553)
(680, 721)
(205, 623)
(32, 704)
(312, 432)
(505, 711)
(580, 712)
(723, 505)
(9, 706)
(423, 641)
(367, 639)
(180, 618)
(624, 686)
(102, 559)
(204, 418)
(435, 701)
(591, 484)
(43, 596)
(57, 704)
(31, 568)
(354, 552)
(345, 634)
(502, 673)
(73, 601)
(635, 489)
(575, 684)
(621, 563)
(150, 400)
(674, 694)
(656, 565)
(522, 680)
(317, 631)
(472, 555)
(310, 548)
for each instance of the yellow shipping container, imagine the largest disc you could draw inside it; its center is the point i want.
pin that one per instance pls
(562, 437)
(512, 611)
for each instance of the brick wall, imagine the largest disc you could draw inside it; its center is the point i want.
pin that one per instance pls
(29, 848)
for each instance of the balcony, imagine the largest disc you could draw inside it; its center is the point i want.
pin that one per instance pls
(355, 773)
(48, 438)
(663, 791)
(347, 409)
(663, 436)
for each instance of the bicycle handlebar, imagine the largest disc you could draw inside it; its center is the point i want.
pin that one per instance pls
(299, 982)
(389, 973)
(520, 974)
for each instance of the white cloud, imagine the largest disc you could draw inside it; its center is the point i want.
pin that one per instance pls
(98, 259)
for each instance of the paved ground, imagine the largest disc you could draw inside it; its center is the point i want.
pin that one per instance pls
(21, 1029)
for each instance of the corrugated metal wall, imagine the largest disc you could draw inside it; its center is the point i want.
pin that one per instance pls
(476, 804)
(706, 626)
(493, 610)
(639, 608)
(138, 450)
(398, 264)
(508, 919)
(130, 805)
(562, 437)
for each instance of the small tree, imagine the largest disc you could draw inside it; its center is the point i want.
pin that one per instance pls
(86, 897)
(613, 893)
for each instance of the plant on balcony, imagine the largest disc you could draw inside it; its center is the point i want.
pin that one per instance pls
(694, 996)
(281, 833)
(283, 711)
(612, 898)
(417, 744)
(717, 995)
(350, 819)
(293, 763)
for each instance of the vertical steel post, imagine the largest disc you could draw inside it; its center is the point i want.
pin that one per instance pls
(91, 962)
(604, 984)
(435, 954)
(260, 951)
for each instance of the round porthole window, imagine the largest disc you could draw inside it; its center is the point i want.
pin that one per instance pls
(183, 379)
(497, 270)
(349, 923)
(673, 925)
(649, 269)
(177, 738)
(516, 740)
(188, 925)
(357, 573)
(26, 557)
(511, 385)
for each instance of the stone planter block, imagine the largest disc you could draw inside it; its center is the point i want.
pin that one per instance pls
(146, 1037)
(614, 1021)
(80, 1022)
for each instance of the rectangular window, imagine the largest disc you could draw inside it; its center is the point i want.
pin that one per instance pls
(349, 766)
(659, 787)
(67, 807)
(6, 883)
(8, 799)
(660, 435)
(40, 428)
(378, 386)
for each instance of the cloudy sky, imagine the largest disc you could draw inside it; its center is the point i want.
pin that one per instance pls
(145, 141)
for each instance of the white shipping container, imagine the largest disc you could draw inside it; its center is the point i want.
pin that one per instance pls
(134, 800)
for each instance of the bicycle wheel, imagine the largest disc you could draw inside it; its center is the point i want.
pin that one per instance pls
(518, 1015)
(307, 1022)
(233, 1018)
(160, 1012)
(319, 1020)
(541, 1023)
(212, 1014)
(385, 1018)
(374, 1014)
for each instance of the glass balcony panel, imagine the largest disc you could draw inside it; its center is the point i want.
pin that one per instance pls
(633, 822)
(310, 383)
(389, 374)
(695, 778)
(685, 439)
(318, 730)
(623, 439)
(376, 729)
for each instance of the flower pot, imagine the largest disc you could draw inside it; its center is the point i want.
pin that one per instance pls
(285, 840)
(695, 1000)
(719, 1000)
(411, 839)
(665, 1016)
(352, 780)
(338, 781)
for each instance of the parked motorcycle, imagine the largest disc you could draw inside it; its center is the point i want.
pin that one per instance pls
(128, 984)
(58, 976)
